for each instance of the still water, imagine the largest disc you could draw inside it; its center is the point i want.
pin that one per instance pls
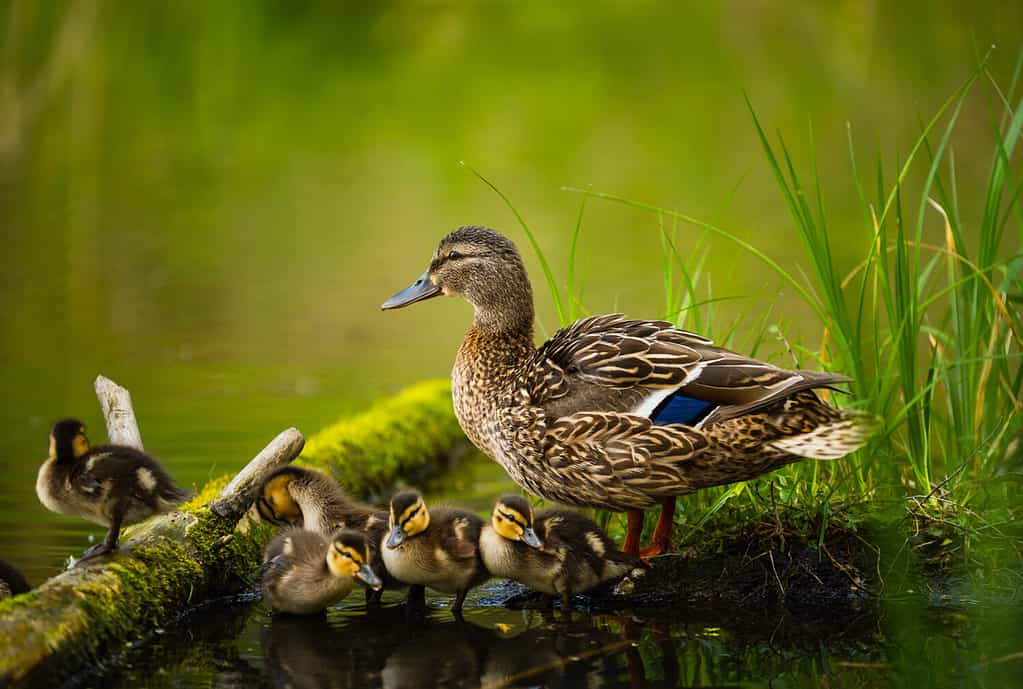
(239, 644)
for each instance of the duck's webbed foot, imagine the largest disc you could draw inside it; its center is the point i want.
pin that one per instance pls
(109, 543)
(101, 548)
(660, 542)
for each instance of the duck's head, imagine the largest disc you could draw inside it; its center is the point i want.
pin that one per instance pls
(68, 441)
(276, 504)
(349, 556)
(409, 517)
(484, 268)
(513, 519)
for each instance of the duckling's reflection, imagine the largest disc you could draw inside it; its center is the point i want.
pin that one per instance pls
(388, 648)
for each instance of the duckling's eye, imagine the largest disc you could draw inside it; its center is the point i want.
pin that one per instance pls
(452, 255)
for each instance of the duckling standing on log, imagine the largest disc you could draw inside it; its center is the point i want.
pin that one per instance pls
(557, 552)
(303, 573)
(12, 582)
(111, 485)
(311, 499)
(438, 548)
(614, 413)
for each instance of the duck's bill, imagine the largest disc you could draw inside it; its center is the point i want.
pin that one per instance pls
(530, 538)
(396, 538)
(419, 290)
(369, 577)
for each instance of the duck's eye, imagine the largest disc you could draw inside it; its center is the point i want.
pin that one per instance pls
(452, 255)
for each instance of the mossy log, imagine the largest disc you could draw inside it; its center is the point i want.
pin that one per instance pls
(174, 562)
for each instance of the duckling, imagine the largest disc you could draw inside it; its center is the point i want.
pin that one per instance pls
(295, 496)
(112, 485)
(439, 549)
(303, 573)
(559, 552)
(12, 582)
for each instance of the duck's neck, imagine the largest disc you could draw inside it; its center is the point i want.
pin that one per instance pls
(506, 313)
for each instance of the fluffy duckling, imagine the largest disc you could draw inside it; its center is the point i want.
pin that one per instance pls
(559, 552)
(12, 582)
(303, 573)
(112, 485)
(295, 496)
(439, 549)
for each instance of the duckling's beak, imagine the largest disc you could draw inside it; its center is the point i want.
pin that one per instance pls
(530, 538)
(418, 291)
(396, 538)
(367, 574)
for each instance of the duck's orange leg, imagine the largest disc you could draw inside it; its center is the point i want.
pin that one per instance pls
(661, 540)
(632, 535)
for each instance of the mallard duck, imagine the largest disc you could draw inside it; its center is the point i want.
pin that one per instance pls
(111, 485)
(296, 496)
(557, 552)
(12, 582)
(613, 413)
(304, 573)
(438, 548)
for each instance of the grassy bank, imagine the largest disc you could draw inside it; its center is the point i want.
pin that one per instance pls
(926, 321)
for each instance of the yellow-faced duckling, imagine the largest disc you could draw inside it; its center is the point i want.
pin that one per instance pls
(111, 485)
(438, 548)
(304, 573)
(613, 413)
(12, 582)
(296, 496)
(557, 552)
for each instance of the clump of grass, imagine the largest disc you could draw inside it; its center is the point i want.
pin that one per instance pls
(929, 330)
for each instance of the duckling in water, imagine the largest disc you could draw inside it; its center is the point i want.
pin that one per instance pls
(295, 496)
(559, 552)
(111, 485)
(439, 549)
(303, 573)
(12, 582)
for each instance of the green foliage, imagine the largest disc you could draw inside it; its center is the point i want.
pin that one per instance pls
(928, 329)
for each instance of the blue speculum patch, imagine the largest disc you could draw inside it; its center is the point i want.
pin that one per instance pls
(678, 408)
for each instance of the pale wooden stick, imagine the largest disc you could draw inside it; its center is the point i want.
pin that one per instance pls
(115, 401)
(237, 496)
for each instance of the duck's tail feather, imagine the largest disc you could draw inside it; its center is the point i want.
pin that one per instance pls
(831, 440)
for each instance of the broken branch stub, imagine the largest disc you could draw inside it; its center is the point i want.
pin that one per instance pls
(115, 401)
(238, 495)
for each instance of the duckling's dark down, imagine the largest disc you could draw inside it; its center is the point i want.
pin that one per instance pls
(557, 552)
(438, 548)
(303, 572)
(111, 485)
(12, 582)
(297, 496)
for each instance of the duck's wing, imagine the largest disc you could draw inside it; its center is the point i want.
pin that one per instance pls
(655, 370)
(461, 534)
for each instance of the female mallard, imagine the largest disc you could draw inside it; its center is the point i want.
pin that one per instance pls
(613, 413)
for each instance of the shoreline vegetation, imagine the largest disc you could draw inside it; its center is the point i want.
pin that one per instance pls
(926, 322)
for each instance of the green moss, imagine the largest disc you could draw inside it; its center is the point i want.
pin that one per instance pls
(399, 437)
(179, 559)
